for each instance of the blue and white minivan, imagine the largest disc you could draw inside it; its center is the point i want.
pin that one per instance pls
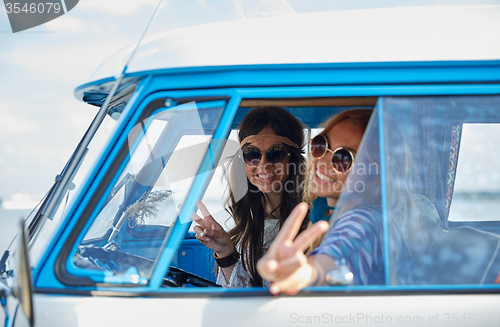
(112, 244)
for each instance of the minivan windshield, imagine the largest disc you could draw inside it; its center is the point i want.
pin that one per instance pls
(95, 148)
(44, 228)
(164, 153)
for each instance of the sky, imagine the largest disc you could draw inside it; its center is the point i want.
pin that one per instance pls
(41, 122)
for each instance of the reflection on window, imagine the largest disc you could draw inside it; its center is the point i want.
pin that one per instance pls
(216, 191)
(450, 191)
(94, 149)
(166, 151)
(477, 184)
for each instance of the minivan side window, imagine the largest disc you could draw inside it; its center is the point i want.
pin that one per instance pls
(430, 137)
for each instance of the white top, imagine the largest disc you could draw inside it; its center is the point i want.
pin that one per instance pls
(427, 33)
(240, 277)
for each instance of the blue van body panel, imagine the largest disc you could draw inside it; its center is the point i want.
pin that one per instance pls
(260, 81)
(370, 73)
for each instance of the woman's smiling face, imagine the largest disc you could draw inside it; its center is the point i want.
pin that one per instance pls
(325, 181)
(267, 177)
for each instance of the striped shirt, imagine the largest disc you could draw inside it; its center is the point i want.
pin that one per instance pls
(357, 237)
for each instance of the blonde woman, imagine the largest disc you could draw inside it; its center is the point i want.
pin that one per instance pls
(355, 237)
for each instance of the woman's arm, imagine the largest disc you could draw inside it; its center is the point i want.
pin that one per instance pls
(321, 265)
(355, 237)
(211, 234)
(285, 264)
(226, 271)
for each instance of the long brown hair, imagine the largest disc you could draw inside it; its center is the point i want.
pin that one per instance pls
(249, 212)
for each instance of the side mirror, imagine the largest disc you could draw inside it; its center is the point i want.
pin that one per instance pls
(23, 291)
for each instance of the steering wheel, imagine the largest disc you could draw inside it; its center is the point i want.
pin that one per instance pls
(118, 262)
(181, 277)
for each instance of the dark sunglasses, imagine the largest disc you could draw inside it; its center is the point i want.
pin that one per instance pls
(275, 154)
(342, 158)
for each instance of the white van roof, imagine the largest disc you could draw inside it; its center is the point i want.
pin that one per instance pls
(429, 33)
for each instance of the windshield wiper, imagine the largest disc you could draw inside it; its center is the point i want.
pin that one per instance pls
(3, 261)
(37, 221)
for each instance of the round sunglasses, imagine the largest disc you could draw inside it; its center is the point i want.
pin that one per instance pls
(275, 154)
(342, 158)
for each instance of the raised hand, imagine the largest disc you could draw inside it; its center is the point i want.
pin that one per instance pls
(285, 264)
(211, 234)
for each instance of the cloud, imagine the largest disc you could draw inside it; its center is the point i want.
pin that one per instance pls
(66, 24)
(13, 170)
(11, 123)
(61, 61)
(80, 24)
(35, 153)
(78, 116)
(44, 96)
(9, 149)
(117, 6)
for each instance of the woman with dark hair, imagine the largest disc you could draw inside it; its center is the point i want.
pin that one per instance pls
(271, 142)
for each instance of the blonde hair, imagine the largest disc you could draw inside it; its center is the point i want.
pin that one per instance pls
(357, 116)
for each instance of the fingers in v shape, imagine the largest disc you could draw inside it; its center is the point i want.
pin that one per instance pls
(292, 224)
(203, 209)
(307, 237)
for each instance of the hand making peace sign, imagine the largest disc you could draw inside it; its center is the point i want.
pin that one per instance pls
(211, 234)
(285, 264)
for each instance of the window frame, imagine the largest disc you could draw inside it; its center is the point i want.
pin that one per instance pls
(234, 96)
